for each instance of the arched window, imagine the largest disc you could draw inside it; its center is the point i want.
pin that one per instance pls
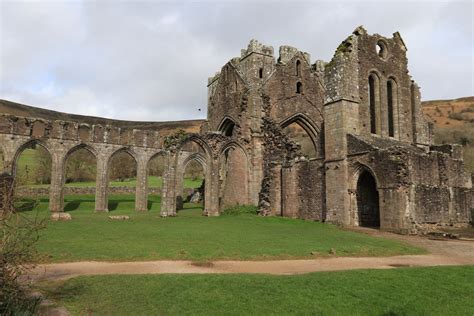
(299, 87)
(227, 127)
(298, 68)
(390, 103)
(260, 73)
(372, 105)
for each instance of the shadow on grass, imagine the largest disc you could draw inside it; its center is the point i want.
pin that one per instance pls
(113, 204)
(75, 204)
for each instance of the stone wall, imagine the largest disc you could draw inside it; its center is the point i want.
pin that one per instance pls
(24, 191)
(303, 190)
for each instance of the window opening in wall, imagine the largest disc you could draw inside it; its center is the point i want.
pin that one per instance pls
(260, 73)
(372, 104)
(381, 49)
(390, 108)
(298, 68)
(299, 87)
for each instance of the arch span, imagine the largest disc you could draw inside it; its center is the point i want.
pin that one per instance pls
(309, 126)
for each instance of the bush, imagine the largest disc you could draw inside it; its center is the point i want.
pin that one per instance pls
(18, 237)
(456, 116)
(240, 209)
(25, 204)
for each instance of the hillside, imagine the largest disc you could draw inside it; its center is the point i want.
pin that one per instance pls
(454, 123)
(165, 128)
(448, 113)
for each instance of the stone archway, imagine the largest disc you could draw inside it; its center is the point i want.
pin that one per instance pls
(368, 207)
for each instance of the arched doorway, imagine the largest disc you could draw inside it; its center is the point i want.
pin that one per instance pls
(156, 170)
(193, 174)
(81, 172)
(192, 184)
(32, 169)
(368, 200)
(122, 180)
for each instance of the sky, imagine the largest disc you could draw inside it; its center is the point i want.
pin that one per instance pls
(150, 60)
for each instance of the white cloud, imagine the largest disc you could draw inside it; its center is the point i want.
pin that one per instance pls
(150, 60)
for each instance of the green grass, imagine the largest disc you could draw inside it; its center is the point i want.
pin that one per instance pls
(153, 182)
(403, 291)
(147, 236)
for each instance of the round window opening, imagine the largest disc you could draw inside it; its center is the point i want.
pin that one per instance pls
(381, 49)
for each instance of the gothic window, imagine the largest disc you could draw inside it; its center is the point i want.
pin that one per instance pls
(390, 104)
(372, 105)
(298, 68)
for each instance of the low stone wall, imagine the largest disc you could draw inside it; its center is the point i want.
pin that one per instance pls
(32, 192)
(29, 192)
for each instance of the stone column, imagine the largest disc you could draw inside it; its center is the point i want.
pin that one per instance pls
(102, 183)
(56, 188)
(276, 191)
(141, 195)
(168, 191)
(289, 191)
(211, 207)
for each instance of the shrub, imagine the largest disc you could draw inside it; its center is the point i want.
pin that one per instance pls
(18, 237)
(240, 209)
(456, 116)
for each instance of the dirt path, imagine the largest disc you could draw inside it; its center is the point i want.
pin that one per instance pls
(442, 252)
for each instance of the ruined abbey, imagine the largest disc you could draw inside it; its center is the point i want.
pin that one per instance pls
(373, 161)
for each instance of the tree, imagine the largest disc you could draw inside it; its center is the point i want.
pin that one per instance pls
(81, 167)
(122, 166)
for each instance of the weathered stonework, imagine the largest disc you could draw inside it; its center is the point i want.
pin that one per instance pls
(375, 162)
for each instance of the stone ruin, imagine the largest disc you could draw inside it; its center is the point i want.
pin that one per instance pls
(375, 164)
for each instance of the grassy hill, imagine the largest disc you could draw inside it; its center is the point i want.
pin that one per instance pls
(454, 123)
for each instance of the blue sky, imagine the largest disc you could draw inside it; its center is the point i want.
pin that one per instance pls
(149, 60)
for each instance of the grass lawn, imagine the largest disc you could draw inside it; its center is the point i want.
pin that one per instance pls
(403, 291)
(153, 182)
(147, 236)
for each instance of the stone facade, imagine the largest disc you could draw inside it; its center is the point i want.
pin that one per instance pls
(375, 162)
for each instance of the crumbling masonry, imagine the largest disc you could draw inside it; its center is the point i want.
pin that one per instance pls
(375, 162)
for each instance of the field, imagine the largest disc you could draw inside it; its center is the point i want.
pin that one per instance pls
(147, 236)
(454, 123)
(403, 291)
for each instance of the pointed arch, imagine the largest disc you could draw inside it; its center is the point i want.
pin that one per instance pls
(309, 126)
(227, 125)
(29, 144)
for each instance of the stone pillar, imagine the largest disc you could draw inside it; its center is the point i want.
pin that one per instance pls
(179, 174)
(276, 191)
(289, 191)
(56, 188)
(102, 183)
(211, 207)
(256, 169)
(141, 195)
(168, 191)
(341, 118)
